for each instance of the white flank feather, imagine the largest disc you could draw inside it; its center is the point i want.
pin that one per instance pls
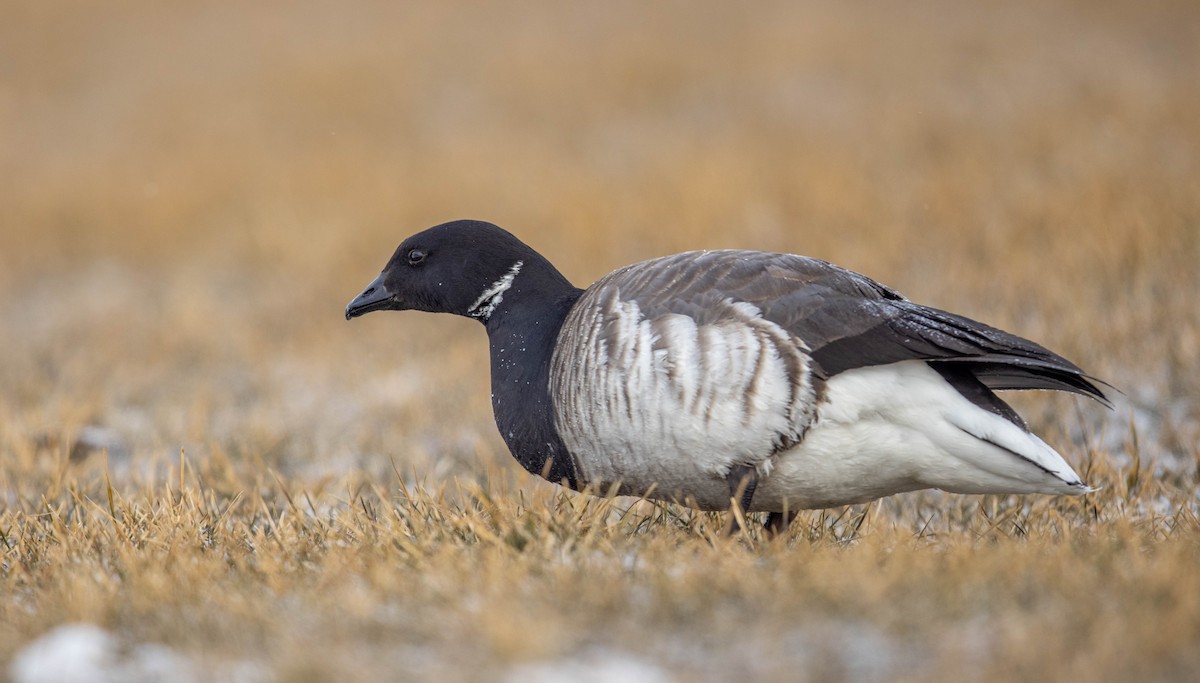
(674, 403)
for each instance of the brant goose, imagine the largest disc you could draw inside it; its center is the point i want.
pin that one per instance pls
(774, 382)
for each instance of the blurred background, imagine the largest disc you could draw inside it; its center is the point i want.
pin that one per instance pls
(191, 192)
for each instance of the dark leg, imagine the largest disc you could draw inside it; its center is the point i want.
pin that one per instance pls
(778, 522)
(742, 480)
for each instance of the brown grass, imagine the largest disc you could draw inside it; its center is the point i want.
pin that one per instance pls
(192, 192)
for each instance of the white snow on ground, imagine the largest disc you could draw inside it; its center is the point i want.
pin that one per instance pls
(596, 667)
(84, 653)
(75, 653)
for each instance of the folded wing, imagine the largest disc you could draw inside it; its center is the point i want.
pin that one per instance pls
(847, 320)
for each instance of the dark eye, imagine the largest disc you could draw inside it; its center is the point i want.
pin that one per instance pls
(415, 256)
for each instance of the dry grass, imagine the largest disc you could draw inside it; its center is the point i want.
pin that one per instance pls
(191, 193)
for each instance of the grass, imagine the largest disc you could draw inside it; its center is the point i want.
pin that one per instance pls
(467, 580)
(192, 193)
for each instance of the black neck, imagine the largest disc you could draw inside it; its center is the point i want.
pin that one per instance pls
(522, 332)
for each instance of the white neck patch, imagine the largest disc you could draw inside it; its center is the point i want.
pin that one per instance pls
(492, 296)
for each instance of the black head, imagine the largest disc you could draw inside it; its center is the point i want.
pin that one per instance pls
(462, 267)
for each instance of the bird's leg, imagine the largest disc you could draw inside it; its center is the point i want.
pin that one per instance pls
(778, 522)
(742, 480)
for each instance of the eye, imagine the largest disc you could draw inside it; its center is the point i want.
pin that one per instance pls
(415, 256)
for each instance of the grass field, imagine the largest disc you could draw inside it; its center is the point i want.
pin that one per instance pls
(203, 461)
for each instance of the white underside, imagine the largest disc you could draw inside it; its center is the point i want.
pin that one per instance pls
(878, 431)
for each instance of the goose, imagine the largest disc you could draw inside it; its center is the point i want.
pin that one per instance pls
(735, 380)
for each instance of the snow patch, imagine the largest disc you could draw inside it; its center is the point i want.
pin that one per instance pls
(85, 653)
(594, 667)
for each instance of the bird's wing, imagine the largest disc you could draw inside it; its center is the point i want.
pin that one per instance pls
(844, 319)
